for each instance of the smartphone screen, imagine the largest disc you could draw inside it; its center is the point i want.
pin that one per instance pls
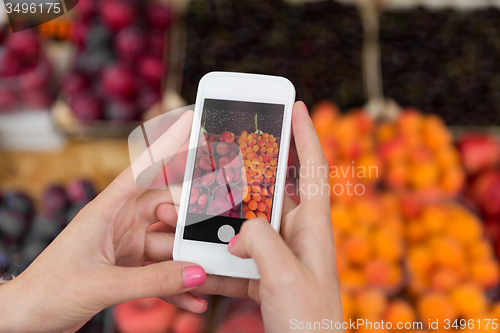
(235, 169)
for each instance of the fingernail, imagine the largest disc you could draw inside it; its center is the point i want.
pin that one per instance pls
(232, 241)
(198, 298)
(194, 276)
(305, 106)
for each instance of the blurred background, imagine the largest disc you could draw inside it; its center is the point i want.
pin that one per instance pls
(409, 86)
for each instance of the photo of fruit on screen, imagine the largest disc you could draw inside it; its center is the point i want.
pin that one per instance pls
(235, 169)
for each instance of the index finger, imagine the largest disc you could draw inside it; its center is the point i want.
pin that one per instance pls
(314, 185)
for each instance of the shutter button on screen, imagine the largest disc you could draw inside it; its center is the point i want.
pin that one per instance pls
(225, 233)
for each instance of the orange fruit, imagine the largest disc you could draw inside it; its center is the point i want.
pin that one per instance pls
(243, 146)
(436, 306)
(273, 161)
(276, 150)
(269, 150)
(260, 214)
(262, 150)
(262, 206)
(252, 205)
(264, 192)
(250, 215)
(248, 150)
(469, 300)
(255, 188)
(256, 197)
(269, 202)
(271, 189)
(255, 148)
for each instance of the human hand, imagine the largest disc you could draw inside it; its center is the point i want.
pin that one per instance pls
(298, 271)
(97, 261)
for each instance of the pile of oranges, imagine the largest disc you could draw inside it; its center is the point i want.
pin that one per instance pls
(260, 158)
(406, 250)
(418, 155)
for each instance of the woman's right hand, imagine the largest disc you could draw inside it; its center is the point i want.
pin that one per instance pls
(299, 282)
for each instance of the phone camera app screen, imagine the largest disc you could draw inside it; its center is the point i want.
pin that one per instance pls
(235, 169)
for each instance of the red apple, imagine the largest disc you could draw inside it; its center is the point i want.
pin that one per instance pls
(236, 175)
(207, 147)
(119, 82)
(226, 137)
(130, 43)
(202, 201)
(479, 152)
(210, 137)
(223, 161)
(224, 180)
(234, 198)
(236, 161)
(207, 163)
(486, 192)
(219, 207)
(208, 178)
(118, 14)
(158, 16)
(223, 148)
(195, 194)
(196, 175)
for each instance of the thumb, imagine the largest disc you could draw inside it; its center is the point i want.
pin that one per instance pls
(157, 280)
(258, 240)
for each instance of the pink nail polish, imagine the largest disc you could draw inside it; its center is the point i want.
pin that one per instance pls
(194, 276)
(232, 241)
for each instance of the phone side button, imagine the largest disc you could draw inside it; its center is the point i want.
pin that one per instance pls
(225, 233)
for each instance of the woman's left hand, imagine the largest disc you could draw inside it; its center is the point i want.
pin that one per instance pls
(97, 260)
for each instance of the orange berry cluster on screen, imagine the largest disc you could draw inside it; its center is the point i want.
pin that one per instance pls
(260, 156)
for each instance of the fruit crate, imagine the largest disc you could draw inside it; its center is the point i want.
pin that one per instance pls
(134, 56)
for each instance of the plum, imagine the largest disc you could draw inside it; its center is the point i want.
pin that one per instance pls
(158, 15)
(117, 14)
(121, 111)
(202, 201)
(152, 70)
(219, 207)
(86, 106)
(207, 163)
(223, 148)
(195, 194)
(119, 82)
(73, 83)
(17, 201)
(130, 43)
(54, 199)
(86, 8)
(224, 176)
(223, 161)
(10, 64)
(80, 190)
(208, 178)
(13, 224)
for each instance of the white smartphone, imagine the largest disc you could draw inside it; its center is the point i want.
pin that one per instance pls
(236, 167)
